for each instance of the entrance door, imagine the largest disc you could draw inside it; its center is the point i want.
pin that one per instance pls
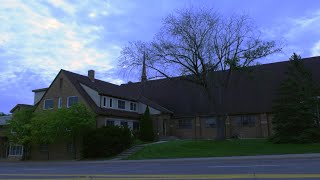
(164, 128)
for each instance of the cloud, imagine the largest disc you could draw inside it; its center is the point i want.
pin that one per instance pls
(40, 38)
(315, 51)
(299, 32)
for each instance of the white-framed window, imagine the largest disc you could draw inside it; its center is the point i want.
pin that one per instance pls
(124, 123)
(15, 150)
(72, 100)
(48, 104)
(135, 126)
(104, 104)
(70, 147)
(133, 106)
(210, 123)
(109, 122)
(60, 102)
(110, 102)
(121, 104)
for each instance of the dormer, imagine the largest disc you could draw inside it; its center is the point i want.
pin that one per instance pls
(38, 94)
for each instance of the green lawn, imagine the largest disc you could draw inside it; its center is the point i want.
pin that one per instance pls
(210, 148)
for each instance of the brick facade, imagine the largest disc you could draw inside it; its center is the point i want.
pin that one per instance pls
(62, 90)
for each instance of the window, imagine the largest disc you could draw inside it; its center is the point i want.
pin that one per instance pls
(124, 123)
(135, 126)
(133, 106)
(72, 100)
(246, 121)
(70, 148)
(211, 123)
(121, 104)
(60, 102)
(184, 123)
(110, 102)
(15, 150)
(104, 102)
(109, 123)
(48, 104)
(43, 148)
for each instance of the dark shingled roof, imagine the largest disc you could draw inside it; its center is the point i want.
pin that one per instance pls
(26, 106)
(105, 88)
(248, 92)
(39, 90)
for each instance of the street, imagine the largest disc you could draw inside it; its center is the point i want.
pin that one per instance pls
(299, 168)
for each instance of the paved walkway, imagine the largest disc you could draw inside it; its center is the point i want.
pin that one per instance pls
(258, 157)
(133, 150)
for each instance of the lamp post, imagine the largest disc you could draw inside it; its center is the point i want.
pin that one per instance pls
(318, 114)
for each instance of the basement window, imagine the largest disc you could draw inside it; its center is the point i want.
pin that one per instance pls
(246, 121)
(15, 150)
(124, 123)
(211, 123)
(109, 123)
(184, 123)
(43, 148)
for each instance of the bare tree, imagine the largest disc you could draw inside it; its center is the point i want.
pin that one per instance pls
(193, 43)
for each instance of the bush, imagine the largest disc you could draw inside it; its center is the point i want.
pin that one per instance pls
(106, 141)
(310, 136)
(146, 127)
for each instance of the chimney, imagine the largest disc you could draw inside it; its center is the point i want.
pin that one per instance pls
(91, 75)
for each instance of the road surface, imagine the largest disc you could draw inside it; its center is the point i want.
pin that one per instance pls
(285, 168)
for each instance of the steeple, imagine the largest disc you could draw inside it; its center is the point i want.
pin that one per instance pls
(144, 71)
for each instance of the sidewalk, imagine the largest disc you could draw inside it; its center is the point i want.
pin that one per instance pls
(230, 158)
(258, 157)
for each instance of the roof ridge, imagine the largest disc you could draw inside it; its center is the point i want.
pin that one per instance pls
(256, 65)
(87, 77)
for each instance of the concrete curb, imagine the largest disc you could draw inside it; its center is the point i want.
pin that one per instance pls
(258, 157)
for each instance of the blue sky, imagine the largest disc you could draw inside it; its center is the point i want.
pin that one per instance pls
(38, 38)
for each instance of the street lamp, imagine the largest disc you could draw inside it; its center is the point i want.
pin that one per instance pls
(318, 114)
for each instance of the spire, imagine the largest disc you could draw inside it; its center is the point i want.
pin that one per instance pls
(144, 72)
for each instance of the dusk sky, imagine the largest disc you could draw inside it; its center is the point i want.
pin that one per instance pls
(38, 38)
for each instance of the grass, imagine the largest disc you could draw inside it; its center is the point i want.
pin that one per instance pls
(210, 148)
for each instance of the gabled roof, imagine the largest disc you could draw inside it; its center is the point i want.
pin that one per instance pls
(109, 89)
(19, 106)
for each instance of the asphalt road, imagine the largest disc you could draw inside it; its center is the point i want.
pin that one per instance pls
(288, 168)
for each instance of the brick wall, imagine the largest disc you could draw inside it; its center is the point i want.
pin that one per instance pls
(55, 91)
